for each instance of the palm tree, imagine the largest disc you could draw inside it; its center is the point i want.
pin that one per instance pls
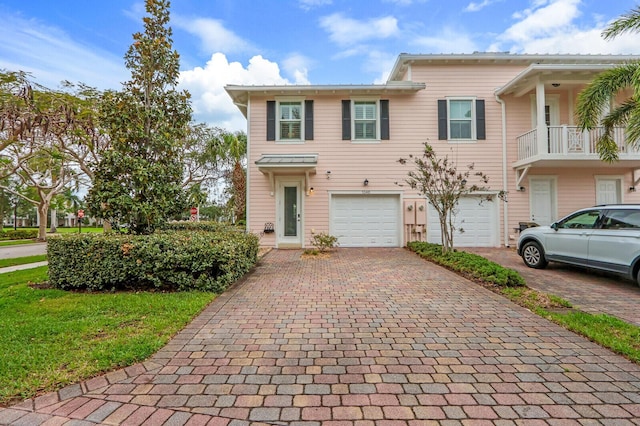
(594, 100)
(235, 149)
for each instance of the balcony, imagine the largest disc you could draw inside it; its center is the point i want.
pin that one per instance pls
(568, 146)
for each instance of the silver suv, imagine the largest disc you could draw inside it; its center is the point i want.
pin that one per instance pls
(604, 237)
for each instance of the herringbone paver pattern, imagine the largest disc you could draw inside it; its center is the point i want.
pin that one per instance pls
(366, 337)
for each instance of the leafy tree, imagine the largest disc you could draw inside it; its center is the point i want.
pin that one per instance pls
(138, 181)
(235, 150)
(33, 119)
(439, 180)
(595, 99)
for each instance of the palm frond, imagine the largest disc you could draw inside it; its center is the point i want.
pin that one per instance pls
(593, 100)
(607, 149)
(629, 22)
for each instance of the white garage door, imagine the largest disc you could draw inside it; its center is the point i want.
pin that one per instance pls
(476, 222)
(370, 220)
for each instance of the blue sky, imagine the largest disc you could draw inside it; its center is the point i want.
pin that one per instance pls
(291, 41)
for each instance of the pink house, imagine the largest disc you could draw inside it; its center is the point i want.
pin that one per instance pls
(324, 157)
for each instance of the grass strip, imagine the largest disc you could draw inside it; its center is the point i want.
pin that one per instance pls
(17, 242)
(50, 338)
(22, 260)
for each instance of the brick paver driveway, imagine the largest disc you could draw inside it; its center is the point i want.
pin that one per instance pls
(366, 337)
(589, 291)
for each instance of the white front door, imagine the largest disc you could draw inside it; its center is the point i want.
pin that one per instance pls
(608, 191)
(542, 200)
(289, 213)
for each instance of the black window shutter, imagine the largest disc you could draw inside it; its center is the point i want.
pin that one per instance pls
(384, 119)
(442, 119)
(346, 120)
(480, 121)
(271, 120)
(308, 120)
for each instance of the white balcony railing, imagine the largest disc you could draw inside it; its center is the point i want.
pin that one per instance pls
(569, 141)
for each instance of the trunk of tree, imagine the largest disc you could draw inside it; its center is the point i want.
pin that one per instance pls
(43, 208)
(239, 190)
(54, 221)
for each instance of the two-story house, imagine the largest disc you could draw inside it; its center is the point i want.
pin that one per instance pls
(325, 157)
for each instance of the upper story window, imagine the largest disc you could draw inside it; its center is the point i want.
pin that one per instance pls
(461, 119)
(290, 120)
(365, 120)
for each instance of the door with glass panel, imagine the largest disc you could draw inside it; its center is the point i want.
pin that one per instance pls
(289, 212)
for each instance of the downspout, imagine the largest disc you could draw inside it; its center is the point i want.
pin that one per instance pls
(505, 205)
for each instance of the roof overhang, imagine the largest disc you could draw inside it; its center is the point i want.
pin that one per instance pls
(405, 60)
(273, 164)
(553, 74)
(241, 94)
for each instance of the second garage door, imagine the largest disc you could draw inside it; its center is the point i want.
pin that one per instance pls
(370, 220)
(478, 218)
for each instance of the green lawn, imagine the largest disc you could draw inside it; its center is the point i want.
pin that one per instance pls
(50, 338)
(16, 242)
(22, 260)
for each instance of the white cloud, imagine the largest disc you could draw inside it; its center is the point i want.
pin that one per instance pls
(448, 40)
(213, 35)
(549, 26)
(310, 4)
(52, 56)
(211, 103)
(347, 32)
(297, 66)
(475, 7)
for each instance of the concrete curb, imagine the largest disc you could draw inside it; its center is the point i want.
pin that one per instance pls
(21, 267)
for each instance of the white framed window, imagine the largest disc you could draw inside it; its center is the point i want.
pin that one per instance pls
(461, 119)
(290, 120)
(365, 120)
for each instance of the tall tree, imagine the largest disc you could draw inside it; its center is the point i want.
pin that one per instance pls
(138, 181)
(594, 101)
(32, 119)
(235, 150)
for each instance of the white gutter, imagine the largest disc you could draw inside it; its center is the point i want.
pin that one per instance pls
(504, 170)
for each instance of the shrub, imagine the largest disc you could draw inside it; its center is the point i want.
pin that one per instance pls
(19, 234)
(167, 260)
(468, 264)
(199, 226)
(323, 241)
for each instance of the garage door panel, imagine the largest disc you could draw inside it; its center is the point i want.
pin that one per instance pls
(365, 220)
(475, 222)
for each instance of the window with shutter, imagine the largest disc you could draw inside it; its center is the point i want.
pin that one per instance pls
(461, 119)
(290, 120)
(365, 120)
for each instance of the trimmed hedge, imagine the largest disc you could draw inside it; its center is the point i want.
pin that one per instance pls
(19, 234)
(166, 260)
(468, 264)
(201, 226)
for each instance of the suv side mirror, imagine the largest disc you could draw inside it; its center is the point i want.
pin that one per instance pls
(554, 226)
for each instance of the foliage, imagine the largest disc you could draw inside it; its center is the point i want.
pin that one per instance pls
(469, 264)
(35, 124)
(322, 241)
(200, 226)
(138, 182)
(51, 338)
(439, 180)
(165, 260)
(19, 234)
(594, 102)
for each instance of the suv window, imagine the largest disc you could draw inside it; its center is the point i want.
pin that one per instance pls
(621, 219)
(582, 220)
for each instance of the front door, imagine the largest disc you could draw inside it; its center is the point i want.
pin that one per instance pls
(542, 200)
(289, 218)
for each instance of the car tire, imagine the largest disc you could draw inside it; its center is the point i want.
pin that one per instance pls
(533, 255)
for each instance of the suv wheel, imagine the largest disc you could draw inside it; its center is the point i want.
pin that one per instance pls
(533, 255)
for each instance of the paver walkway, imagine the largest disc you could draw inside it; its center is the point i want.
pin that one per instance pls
(366, 337)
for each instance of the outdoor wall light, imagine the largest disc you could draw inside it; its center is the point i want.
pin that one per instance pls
(632, 189)
(555, 84)
(328, 174)
(366, 182)
(310, 192)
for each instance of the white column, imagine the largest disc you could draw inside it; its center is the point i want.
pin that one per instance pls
(541, 125)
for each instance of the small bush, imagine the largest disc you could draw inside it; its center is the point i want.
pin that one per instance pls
(323, 241)
(19, 234)
(199, 226)
(167, 260)
(469, 264)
